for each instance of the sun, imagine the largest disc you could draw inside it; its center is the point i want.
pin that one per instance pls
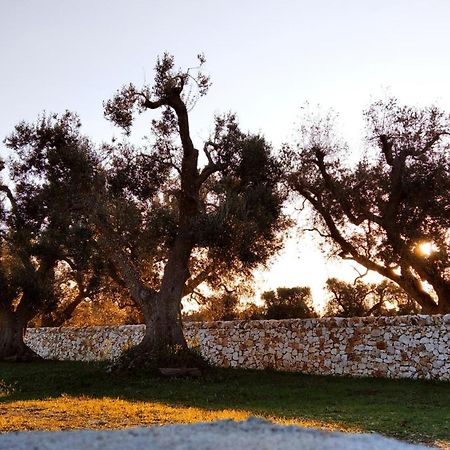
(426, 249)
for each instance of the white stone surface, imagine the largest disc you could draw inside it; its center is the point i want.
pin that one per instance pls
(254, 434)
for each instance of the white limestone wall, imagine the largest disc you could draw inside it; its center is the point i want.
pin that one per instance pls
(393, 347)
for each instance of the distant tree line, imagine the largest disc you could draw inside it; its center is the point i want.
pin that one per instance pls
(343, 299)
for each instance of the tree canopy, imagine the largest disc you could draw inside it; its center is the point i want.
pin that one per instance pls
(361, 299)
(38, 233)
(396, 199)
(289, 303)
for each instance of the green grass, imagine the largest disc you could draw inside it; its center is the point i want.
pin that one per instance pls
(56, 395)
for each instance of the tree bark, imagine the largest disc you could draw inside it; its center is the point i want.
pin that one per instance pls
(164, 332)
(443, 291)
(12, 332)
(163, 344)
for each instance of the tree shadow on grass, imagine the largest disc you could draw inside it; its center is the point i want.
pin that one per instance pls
(418, 410)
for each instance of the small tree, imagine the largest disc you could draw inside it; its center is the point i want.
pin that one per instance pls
(289, 303)
(348, 299)
(361, 299)
(220, 307)
(390, 299)
(252, 311)
(381, 212)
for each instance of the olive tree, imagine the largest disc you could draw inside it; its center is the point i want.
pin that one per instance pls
(359, 299)
(227, 209)
(382, 211)
(289, 303)
(165, 219)
(37, 234)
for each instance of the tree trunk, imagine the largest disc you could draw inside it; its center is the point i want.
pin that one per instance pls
(12, 332)
(163, 345)
(443, 292)
(412, 285)
(442, 289)
(164, 332)
(428, 272)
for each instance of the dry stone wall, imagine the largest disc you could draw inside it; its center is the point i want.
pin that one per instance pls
(393, 347)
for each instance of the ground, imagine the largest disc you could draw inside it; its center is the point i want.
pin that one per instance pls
(56, 395)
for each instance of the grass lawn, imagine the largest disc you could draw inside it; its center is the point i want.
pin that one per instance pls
(62, 395)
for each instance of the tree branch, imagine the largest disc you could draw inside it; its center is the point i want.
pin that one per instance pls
(212, 167)
(386, 148)
(9, 194)
(339, 195)
(430, 143)
(408, 283)
(111, 245)
(316, 230)
(149, 104)
(193, 283)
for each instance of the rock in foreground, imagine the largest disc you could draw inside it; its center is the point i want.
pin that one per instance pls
(253, 434)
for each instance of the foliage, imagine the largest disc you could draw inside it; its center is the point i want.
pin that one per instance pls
(39, 235)
(381, 211)
(53, 261)
(361, 299)
(28, 252)
(289, 303)
(101, 310)
(284, 303)
(219, 307)
(238, 216)
(252, 311)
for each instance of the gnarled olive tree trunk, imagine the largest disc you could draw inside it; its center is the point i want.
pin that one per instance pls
(164, 337)
(12, 332)
(162, 310)
(164, 344)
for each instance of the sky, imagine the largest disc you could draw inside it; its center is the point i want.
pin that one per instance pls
(265, 59)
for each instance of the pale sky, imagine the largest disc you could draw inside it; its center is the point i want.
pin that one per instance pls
(265, 58)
